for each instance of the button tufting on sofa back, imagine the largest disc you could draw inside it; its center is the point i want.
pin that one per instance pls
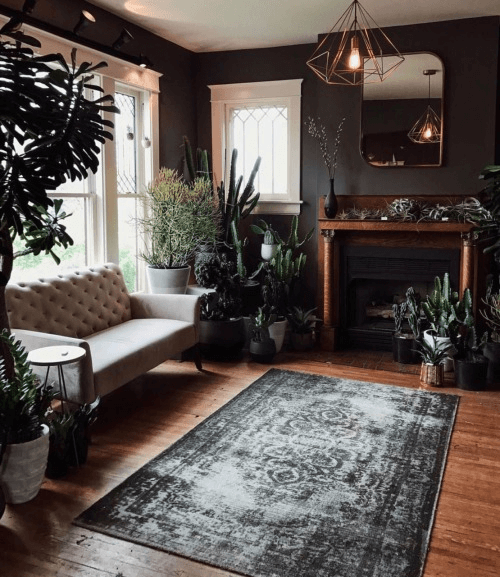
(75, 304)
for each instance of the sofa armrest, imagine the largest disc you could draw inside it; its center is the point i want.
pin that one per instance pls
(78, 376)
(168, 306)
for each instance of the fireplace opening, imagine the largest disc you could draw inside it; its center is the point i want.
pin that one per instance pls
(376, 277)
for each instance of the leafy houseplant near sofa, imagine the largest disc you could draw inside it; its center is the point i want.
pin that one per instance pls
(179, 216)
(24, 435)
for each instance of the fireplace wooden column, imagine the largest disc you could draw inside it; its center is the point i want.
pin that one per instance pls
(334, 234)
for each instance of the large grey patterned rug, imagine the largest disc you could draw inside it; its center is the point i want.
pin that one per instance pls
(298, 476)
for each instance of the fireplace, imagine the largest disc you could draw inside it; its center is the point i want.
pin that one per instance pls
(373, 278)
(364, 264)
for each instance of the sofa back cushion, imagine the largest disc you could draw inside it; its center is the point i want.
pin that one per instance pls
(74, 304)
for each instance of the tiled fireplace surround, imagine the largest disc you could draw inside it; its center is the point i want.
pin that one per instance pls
(447, 246)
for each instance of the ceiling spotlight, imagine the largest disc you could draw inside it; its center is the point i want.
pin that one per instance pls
(144, 61)
(29, 6)
(124, 38)
(86, 18)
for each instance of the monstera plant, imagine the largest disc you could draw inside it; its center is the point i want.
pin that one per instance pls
(49, 132)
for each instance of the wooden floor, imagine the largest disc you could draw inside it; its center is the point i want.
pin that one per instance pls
(37, 539)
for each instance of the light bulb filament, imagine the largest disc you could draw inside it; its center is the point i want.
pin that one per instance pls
(354, 58)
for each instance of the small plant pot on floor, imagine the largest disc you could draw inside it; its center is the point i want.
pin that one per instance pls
(432, 375)
(429, 335)
(262, 351)
(302, 341)
(471, 375)
(277, 332)
(492, 352)
(404, 349)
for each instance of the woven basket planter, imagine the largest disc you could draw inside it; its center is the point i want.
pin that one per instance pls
(432, 375)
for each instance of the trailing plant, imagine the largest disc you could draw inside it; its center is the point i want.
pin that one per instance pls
(179, 217)
(302, 321)
(24, 402)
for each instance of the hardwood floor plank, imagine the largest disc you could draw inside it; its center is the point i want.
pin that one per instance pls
(140, 420)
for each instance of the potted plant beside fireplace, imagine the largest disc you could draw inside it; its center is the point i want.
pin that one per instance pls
(404, 341)
(433, 353)
(491, 314)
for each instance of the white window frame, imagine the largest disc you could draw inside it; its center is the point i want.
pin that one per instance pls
(103, 196)
(224, 98)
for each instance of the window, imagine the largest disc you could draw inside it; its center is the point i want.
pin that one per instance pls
(105, 206)
(260, 119)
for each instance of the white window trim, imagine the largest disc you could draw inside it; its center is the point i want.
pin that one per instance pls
(226, 96)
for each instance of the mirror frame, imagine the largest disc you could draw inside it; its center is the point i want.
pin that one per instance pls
(441, 147)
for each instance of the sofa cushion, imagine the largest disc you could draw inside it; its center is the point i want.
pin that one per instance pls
(124, 352)
(74, 304)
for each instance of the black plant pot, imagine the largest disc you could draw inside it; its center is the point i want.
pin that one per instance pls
(57, 466)
(405, 351)
(492, 353)
(81, 447)
(262, 351)
(471, 375)
(251, 297)
(222, 340)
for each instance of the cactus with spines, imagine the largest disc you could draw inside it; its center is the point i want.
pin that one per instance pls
(414, 313)
(399, 312)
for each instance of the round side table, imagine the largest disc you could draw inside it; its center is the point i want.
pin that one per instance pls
(56, 357)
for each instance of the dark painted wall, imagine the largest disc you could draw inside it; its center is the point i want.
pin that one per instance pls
(177, 95)
(469, 49)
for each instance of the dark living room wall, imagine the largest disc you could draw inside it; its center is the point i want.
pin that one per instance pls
(469, 49)
(177, 96)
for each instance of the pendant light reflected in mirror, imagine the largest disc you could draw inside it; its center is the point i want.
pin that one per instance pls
(355, 51)
(427, 129)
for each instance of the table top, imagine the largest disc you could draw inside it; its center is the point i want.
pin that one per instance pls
(60, 355)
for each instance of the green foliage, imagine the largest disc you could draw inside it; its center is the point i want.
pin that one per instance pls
(225, 303)
(491, 315)
(24, 403)
(414, 312)
(260, 324)
(201, 169)
(265, 229)
(234, 206)
(238, 247)
(433, 353)
(179, 217)
(441, 307)
(399, 312)
(302, 321)
(490, 227)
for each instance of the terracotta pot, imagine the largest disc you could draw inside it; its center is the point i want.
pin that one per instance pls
(432, 375)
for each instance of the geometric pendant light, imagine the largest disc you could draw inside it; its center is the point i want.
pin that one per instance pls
(355, 51)
(427, 129)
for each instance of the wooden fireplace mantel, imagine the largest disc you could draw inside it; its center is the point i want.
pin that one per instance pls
(336, 233)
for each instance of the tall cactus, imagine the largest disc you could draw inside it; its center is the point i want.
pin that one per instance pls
(201, 169)
(439, 308)
(414, 310)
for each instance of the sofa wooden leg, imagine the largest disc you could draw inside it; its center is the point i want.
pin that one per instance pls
(197, 357)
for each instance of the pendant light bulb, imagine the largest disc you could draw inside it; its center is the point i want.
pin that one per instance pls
(354, 58)
(427, 133)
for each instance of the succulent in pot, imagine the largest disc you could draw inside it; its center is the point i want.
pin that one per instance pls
(433, 354)
(302, 323)
(270, 239)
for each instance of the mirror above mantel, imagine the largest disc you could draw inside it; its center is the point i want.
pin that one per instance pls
(400, 106)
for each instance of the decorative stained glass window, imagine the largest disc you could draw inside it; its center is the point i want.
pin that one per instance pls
(262, 131)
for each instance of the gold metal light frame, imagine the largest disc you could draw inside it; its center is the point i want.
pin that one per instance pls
(427, 129)
(355, 51)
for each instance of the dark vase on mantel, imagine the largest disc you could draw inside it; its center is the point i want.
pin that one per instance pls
(331, 203)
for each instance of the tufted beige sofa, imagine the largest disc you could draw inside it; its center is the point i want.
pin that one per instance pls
(124, 334)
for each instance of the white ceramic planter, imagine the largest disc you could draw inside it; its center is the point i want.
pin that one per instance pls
(23, 467)
(277, 332)
(168, 280)
(448, 362)
(267, 251)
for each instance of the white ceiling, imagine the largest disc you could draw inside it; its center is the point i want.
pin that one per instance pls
(212, 25)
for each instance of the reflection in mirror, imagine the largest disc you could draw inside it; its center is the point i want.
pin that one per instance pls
(392, 109)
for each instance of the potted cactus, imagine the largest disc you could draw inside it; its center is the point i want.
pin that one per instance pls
(404, 341)
(270, 239)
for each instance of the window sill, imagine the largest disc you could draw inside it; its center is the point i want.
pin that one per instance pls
(277, 207)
